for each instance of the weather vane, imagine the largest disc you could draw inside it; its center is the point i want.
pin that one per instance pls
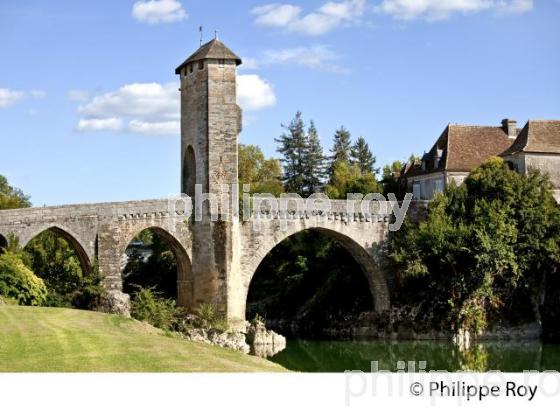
(200, 31)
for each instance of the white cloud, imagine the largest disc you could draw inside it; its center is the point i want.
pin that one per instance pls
(276, 15)
(100, 124)
(249, 64)
(515, 6)
(10, 97)
(254, 93)
(145, 108)
(38, 94)
(159, 11)
(147, 101)
(77, 95)
(316, 57)
(155, 128)
(324, 19)
(442, 9)
(153, 108)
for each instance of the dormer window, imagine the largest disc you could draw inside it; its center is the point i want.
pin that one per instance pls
(200, 65)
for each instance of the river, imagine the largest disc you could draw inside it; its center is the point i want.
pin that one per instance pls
(338, 356)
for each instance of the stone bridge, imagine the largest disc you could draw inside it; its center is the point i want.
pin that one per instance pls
(215, 260)
(206, 273)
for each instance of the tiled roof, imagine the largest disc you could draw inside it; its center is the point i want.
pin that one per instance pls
(214, 49)
(539, 136)
(462, 148)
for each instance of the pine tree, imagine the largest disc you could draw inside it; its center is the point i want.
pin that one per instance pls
(293, 144)
(341, 145)
(314, 161)
(362, 156)
(341, 149)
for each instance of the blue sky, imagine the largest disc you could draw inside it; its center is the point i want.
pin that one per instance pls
(88, 100)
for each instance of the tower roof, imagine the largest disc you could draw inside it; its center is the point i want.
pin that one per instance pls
(213, 49)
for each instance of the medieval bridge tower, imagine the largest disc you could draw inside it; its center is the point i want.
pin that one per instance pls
(216, 260)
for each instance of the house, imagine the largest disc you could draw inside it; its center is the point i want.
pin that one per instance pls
(460, 148)
(537, 147)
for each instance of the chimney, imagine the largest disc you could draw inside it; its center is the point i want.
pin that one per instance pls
(510, 127)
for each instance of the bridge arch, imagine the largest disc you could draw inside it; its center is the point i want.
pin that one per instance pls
(365, 253)
(184, 268)
(72, 239)
(3, 243)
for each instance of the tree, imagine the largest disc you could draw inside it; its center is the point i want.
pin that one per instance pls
(341, 148)
(362, 156)
(293, 144)
(10, 197)
(348, 179)
(18, 282)
(263, 175)
(314, 161)
(390, 178)
(485, 251)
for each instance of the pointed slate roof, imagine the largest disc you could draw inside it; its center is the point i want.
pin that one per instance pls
(214, 49)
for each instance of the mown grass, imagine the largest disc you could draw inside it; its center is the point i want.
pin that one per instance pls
(36, 339)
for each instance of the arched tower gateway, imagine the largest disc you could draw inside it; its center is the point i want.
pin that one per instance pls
(210, 124)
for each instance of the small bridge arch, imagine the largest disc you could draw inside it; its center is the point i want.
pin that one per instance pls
(184, 267)
(70, 237)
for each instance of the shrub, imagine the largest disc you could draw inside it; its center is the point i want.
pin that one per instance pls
(18, 282)
(210, 318)
(89, 290)
(148, 306)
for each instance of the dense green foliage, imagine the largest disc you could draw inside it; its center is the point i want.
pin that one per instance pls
(362, 156)
(18, 282)
(11, 197)
(263, 175)
(348, 179)
(292, 146)
(149, 306)
(485, 253)
(51, 257)
(157, 271)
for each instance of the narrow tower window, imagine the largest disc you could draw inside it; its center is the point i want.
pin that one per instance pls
(200, 65)
(189, 172)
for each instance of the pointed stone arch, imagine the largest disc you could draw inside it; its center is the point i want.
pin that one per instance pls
(185, 283)
(366, 254)
(72, 239)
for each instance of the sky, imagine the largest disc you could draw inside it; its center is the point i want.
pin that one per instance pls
(89, 106)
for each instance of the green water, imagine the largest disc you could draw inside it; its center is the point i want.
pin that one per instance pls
(338, 356)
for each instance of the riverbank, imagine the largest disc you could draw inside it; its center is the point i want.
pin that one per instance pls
(38, 339)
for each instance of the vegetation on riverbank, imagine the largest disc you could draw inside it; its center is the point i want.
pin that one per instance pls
(486, 254)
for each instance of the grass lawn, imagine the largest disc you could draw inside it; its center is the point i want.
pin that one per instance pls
(36, 339)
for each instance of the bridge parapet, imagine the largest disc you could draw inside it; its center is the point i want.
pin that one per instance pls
(124, 210)
(333, 209)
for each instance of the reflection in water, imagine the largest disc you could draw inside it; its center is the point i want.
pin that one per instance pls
(337, 356)
(265, 350)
